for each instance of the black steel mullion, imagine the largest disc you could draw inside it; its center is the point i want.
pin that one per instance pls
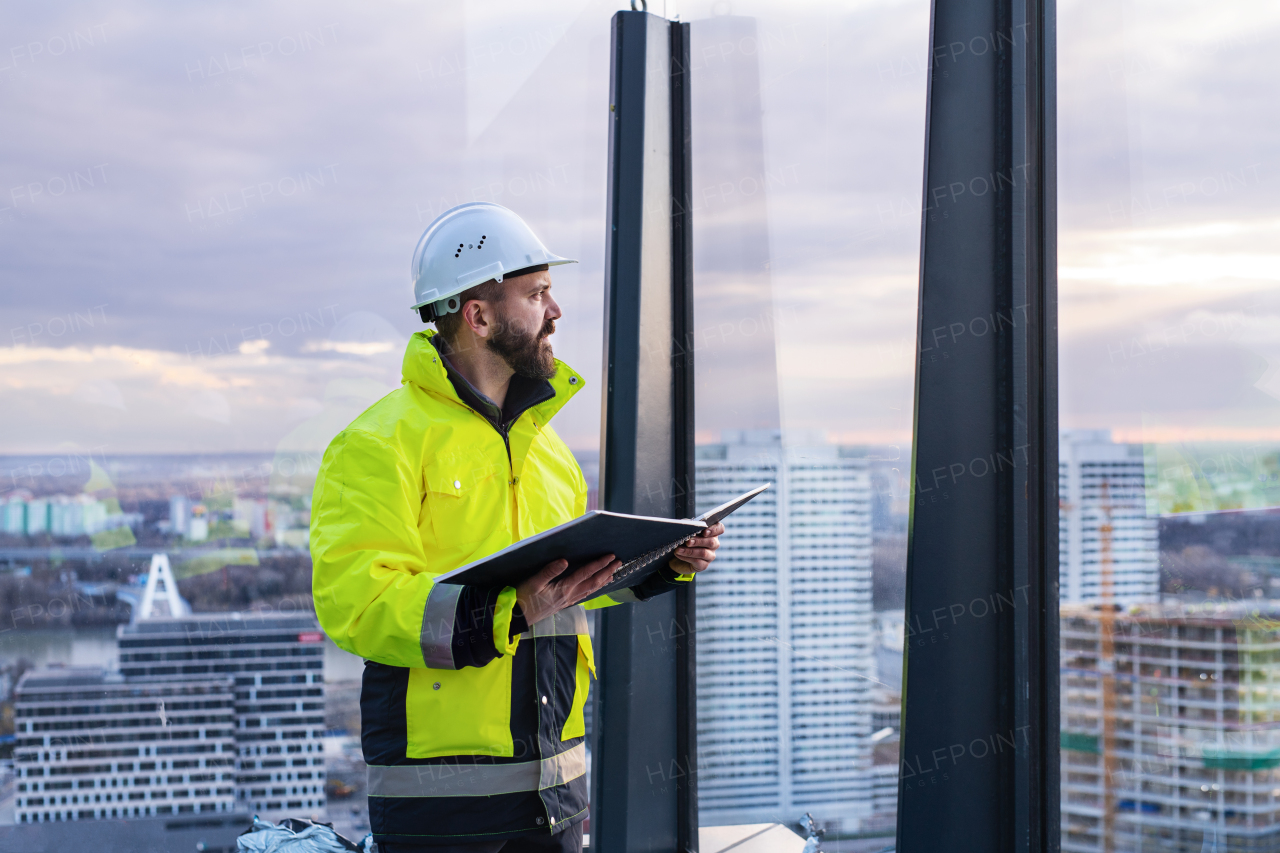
(622, 262)
(1017, 137)
(610, 759)
(683, 431)
(644, 797)
(1043, 264)
(1049, 711)
(979, 744)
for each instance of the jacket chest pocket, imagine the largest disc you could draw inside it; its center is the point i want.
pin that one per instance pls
(464, 503)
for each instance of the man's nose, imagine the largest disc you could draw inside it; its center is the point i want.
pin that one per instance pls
(553, 309)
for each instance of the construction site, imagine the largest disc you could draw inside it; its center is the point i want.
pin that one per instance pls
(1170, 728)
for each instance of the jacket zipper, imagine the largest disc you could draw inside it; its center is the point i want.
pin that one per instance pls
(505, 432)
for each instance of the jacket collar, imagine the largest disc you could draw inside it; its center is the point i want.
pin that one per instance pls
(522, 394)
(424, 367)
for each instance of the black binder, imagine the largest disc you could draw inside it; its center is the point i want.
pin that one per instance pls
(639, 541)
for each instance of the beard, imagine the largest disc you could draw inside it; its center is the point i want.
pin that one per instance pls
(528, 353)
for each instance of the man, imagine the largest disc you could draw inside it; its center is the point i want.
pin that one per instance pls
(472, 702)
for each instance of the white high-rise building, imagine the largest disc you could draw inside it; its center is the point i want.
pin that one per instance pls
(785, 635)
(1103, 520)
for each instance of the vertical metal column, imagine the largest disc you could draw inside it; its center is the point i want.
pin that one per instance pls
(979, 750)
(682, 429)
(643, 797)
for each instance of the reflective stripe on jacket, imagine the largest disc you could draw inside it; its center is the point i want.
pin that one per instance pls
(417, 485)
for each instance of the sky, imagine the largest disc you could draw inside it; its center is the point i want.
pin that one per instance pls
(1169, 265)
(207, 213)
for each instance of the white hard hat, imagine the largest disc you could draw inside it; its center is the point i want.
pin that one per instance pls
(468, 245)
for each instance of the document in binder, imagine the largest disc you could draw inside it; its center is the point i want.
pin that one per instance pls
(642, 543)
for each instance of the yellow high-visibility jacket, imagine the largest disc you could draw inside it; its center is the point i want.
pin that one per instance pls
(420, 484)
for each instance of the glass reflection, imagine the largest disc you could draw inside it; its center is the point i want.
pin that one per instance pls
(1169, 454)
(205, 233)
(805, 296)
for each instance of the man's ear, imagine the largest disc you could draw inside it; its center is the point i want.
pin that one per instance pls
(476, 315)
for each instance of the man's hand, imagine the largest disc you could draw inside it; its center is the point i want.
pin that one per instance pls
(696, 554)
(542, 595)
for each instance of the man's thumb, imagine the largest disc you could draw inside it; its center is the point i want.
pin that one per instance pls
(553, 570)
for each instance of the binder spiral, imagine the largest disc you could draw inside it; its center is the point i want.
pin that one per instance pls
(636, 564)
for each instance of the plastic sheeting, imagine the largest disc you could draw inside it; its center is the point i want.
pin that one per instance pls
(295, 835)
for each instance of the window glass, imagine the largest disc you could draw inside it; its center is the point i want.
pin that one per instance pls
(207, 216)
(808, 135)
(1170, 547)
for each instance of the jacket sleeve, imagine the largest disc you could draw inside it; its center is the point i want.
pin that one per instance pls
(372, 593)
(473, 625)
(663, 580)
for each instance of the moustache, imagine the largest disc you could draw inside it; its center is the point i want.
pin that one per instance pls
(548, 329)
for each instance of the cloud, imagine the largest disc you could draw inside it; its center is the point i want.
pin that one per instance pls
(178, 402)
(350, 347)
(264, 176)
(102, 392)
(211, 405)
(206, 215)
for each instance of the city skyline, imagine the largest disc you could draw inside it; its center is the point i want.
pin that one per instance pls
(860, 793)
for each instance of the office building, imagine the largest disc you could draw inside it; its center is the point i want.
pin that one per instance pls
(209, 713)
(1103, 522)
(786, 644)
(13, 513)
(37, 520)
(277, 667)
(179, 514)
(76, 516)
(250, 516)
(884, 788)
(61, 515)
(198, 524)
(1169, 732)
(90, 744)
